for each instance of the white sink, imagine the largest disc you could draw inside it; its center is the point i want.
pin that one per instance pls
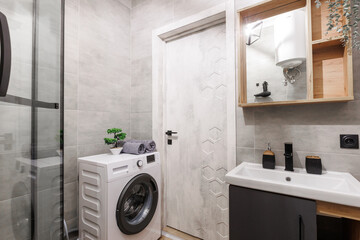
(335, 187)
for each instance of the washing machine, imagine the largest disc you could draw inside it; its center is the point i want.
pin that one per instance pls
(120, 197)
(46, 176)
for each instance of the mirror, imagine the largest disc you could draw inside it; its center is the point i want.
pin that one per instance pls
(276, 57)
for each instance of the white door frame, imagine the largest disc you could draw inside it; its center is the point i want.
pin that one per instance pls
(219, 14)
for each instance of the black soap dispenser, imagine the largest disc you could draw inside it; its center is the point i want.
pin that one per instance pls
(268, 158)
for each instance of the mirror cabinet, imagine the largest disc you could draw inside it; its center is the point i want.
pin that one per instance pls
(287, 56)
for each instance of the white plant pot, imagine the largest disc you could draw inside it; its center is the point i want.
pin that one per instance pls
(116, 151)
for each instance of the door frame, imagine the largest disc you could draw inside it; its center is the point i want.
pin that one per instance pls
(222, 13)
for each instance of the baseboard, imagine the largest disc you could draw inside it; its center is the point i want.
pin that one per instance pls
(169, 233)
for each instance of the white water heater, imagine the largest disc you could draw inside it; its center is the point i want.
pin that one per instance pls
(290, 40)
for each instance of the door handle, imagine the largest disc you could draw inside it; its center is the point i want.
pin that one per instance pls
(170, 133)
(301, 237)
(5, 58)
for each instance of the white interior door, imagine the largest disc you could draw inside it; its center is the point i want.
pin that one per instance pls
(196, 162)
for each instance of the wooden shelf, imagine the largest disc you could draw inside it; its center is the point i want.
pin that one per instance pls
(329, 42)
(351, 214)
(337, 210)
(330, 73)
(280, 103)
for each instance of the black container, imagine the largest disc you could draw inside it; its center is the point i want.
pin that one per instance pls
(268, 160)
(313, 165)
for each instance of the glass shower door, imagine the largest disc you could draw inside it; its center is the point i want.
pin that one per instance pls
(31, 123)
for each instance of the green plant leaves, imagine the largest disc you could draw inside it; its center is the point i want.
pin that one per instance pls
(121, 136)
(114, 130)
(110, 141)
(118, 135)
(339, 9)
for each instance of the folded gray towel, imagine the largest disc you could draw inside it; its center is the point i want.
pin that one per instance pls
(134, 148)
(150, 145)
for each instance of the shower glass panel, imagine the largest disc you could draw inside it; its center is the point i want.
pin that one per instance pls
(31, 122)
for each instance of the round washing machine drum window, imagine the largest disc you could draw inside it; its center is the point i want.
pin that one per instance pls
(137, 204)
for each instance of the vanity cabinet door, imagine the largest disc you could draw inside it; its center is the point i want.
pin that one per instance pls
(259, 215)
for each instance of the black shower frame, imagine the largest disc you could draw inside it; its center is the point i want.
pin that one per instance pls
(35, 104)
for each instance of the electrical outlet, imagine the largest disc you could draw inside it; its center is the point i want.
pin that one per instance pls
(349, 141)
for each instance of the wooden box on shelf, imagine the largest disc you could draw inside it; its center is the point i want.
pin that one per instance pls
(329, 63)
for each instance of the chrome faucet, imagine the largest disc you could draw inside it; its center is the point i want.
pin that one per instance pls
(289, 162)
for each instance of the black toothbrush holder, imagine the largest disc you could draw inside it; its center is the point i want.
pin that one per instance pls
(313, 165)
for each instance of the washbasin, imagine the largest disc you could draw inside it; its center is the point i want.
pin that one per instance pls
(335, 187)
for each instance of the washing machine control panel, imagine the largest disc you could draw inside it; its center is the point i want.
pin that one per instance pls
(140, 163)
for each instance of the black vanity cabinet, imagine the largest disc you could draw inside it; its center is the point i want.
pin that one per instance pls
(259, 215)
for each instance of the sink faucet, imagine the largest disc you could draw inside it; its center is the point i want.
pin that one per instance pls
(289, 163)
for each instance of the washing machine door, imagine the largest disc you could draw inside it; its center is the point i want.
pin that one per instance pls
(137, 204)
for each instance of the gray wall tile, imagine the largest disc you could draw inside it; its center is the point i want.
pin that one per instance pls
(141, 98)
(184, 8)
(244, 155)
(92, 149)
(151, 14)
(141, 125)
(356, 69)
(97, 83)
(246, 122)
(70, 127)
(141, 71)
(71, 82)
(70, 200)
(70, 164)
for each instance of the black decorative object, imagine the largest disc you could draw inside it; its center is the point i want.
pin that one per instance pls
(313, 165)
(265, 92)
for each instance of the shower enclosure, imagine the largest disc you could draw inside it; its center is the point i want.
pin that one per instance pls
(31, 119)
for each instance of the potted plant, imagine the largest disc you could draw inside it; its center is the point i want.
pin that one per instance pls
(118, 136)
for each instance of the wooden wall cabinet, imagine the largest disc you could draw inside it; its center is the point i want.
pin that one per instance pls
(329, 63)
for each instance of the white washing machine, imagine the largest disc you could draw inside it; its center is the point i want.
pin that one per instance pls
(119, 197)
